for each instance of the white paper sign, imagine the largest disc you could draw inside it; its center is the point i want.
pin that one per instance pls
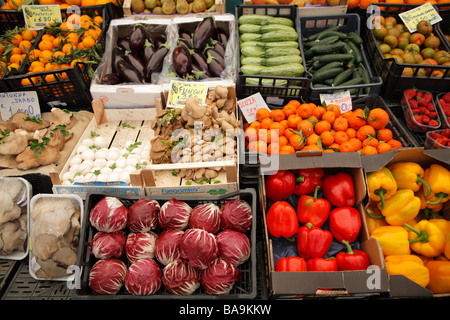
(342, 99)
(20, 101)
(250, 105)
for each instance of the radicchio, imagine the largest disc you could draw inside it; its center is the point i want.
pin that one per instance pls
(219, 277)
(107, 276)
(234, 246)
(140, 246)
(109, 215)
(167, 248)
(205, 216)
(199, 248)
(143, 277)
(180, 278)
(143, 215)
(108, 245)
(236, 214)
(174, 214)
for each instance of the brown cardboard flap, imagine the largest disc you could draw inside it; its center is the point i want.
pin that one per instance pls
(400, 286)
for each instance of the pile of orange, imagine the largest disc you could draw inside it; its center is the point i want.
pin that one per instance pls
(62, 46)
(64, 4)
(14, 46)
(353, 4)
(300, 126)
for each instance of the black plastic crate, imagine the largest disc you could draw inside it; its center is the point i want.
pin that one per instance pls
(391, 71)
(444, 25)
(244, 288)
(281, 87)
(348, 22)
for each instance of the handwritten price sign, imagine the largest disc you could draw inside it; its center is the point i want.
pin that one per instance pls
(424, 12)
(38, 16)
(13, 102)
(342, 99)
(250, 105)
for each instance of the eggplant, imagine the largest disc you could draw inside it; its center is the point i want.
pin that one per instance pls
(127, 72)
(222, 36)
(149, 50)
(215, 68)
(199, 60)
(181, 60)
(117, 53)
(135, 61)
(185, 38)
(198, 73)
(212, 54)
(159, 41)
(203, 33)
(124, 43)
(137, 38)
(111, 79)
(219, 48)
(156, 62)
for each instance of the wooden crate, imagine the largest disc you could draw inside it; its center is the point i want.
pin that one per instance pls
(220, 8)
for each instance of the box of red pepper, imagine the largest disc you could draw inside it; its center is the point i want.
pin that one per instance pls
(407, 211)
(312, 207)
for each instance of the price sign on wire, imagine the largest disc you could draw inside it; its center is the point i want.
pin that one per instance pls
(342, 99)
(38, 16)
(424, 12)
(250, 105)
(21, 101)
(180, 91)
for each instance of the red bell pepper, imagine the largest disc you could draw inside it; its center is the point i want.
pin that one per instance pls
(345, 223)
(322, 264)
(280, 186)
(313, 210)
(313, 242)
(339, 189)
(352, 259)
(308, 179)
(292, 263)
(282, 220)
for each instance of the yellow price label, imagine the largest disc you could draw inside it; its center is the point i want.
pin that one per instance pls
(38, 16)
(180, 91)
(424, 12)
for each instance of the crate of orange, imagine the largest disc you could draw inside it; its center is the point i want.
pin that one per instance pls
(60, 64)
(402, 59)
(369, 128)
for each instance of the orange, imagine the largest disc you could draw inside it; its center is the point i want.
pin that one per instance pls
(384, 147)
(45, 45)
(312, 147)
(262, 113)
(277, 115)
(73, 38)
(365, 3)
(297, 141)
(27, 34)
(346, 146)
(371, 142)
(73, 2)
(329, 116)
(266, 122)
(16, 58)
(340, 124)
(313, 138)
(356, 143)
(47, 1)
(25, 46)
(88, 3)
(282, 140)
(68, 48)
(322, 126)
(34, 54)
(306, 127)
(58, 42)
(356, 120)
(258, 146)
(305, 110)
(98, 20)
(251, 134)
(367, 150)
(340, 137)
(395, 144)
(352, 4)
(273, 148)
(287, 149)
(293, 120)
(45, 56)
(318, 112)
(365, 132)
(48, 36)
(327, 138)
(36, 64)
(16, 39)
(351, 133)
(378, 118)
(277, 126)
(334, 108)
(384, 134)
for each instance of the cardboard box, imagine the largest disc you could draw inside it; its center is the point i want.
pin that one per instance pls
(400, 286)
(294, 284)
(220, 8)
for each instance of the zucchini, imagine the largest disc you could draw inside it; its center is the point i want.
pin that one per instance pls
(281, 20)
(266, 82)
(342, 77)
(277, 27)
(259, 19)
(249, 36)
(327, 48)
(279, 52)
(322, 75)
(252, 69)
(356, 53)
(355, 38)
(275, 61)
(281, 44)
(252, 60)
(316, 35)
(334, 57)
(250, 51)
(250, 44)
(249, 28)
(276, 36)
(285, 70)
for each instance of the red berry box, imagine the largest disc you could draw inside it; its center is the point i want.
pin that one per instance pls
(443, 106)
(420, 112)
(439, 139)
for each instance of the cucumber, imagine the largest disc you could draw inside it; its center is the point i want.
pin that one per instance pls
(252, 69)
(259, 19)
(286, 70)
(249, 36)
(351, 82)
(330, 65)
(252, 60)
(326, 74)
(366, 77)
(276, 36)
(327, 40)
(327, 48)
(328, 82)
(316, 35)
(281, 44)
(281, 20)
(250, 51)
(335, 57)
(355, 38)
(277, 27)
(356, 53)
(347, 49)
(275, 61)
(341, 35)
(279, 52)
(249, 28)
(342, 77)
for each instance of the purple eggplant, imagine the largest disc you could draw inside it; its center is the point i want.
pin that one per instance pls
(159, 41)
(137, 38)
(215, 68)
(135, 61)
(185, 38)
(124, 43)
(111, 79)
(212, 54)
(203, 33)
(198, 73)
(127, 72)
(149, 50)
(199, 60)
(156, 62)
(219, 48)
(181, 59)
(117, 53)
(222, 36)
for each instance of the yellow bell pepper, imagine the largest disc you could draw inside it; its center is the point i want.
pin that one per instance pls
(374, 219)
(410, 266)
(439, 276)
(400, 208)
(381, 185)
(442, 224)
(426, 238)
(438, 178)
(447, 246)
(409, 175)
(393, 240)
(427, 207)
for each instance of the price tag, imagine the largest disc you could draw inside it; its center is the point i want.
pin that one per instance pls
(342, 99)
(250, 105)
(424, 12)
(38, 16)
(180, 91)
(21, 101)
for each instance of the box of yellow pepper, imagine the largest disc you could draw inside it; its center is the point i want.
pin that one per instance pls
(408, 212)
